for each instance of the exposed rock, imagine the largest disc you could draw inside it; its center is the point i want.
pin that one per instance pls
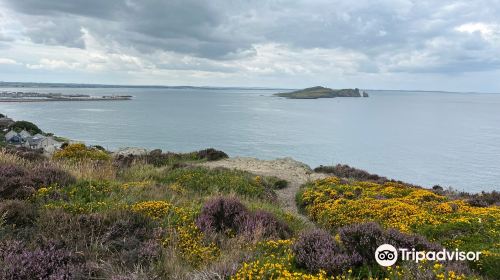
(156, 152)
(131, 151)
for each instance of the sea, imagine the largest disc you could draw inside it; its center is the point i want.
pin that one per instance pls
(425, 138)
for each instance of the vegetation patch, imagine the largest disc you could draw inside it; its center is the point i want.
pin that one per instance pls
(215, 181)
(451, 223)
(19, 126)
(317, 251)
(229, 216)
(99, 219)
(79, 152)
(157, 158)
(50, 261)
(18, 182)
(17, 213)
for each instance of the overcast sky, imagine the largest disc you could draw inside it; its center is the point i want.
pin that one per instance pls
(391, 44)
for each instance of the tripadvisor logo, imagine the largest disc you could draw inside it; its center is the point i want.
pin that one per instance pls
(387, 255)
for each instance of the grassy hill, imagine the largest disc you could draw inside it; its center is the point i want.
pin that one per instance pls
(85, 213)
(320, 92)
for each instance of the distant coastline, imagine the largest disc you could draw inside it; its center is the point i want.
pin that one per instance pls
(11, 96)
(75, 85)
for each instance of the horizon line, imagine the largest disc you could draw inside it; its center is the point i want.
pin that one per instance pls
(90, 85)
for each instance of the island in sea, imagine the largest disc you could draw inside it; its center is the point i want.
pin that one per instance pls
(322, 92)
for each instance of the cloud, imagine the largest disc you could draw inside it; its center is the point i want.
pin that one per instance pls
(91, 8)
(57, 31)
(487, 31)
(185, 26)
(7, 61)
(53, 64)
(5, 38)
(244, 39)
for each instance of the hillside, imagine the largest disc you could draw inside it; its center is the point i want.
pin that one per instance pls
(87, 213)
(322, 92)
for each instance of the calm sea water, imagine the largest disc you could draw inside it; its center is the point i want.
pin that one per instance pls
(427, 138)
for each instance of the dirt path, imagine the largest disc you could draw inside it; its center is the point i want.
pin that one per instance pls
(295, 172)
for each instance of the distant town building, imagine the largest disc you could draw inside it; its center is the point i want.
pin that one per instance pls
(33, 143)
(24, 135)
(42, 142)
(13, 137)
(39, 141)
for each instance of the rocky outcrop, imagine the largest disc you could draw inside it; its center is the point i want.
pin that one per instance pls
(131, 151)
(320, 92)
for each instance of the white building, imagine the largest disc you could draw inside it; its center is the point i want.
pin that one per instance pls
(25, 135)
(42, 142)
(12, 137)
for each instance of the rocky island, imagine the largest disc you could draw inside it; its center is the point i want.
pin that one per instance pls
(322, 92)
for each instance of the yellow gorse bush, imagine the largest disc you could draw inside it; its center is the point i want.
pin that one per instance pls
(274, 270)
(189, 240)
(84, 208)
(276, 262)
(80, 151)
(392, 205)
(152, 209)
(190, 243)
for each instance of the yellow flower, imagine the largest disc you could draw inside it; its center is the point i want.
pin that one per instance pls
(153, 209)
(43, 191)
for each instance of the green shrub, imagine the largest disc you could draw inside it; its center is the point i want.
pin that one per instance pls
(280, 184)
(82, 197)
(25, 125)
(211, 154)
(210, 181)
(158, 158)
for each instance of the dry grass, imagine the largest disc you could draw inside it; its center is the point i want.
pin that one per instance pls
(141, 171)
(9, 158)
(88, 169)
(173, 267)
(82, 169)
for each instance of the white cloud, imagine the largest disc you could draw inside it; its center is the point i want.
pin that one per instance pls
(487, 30)
(281, 59)
(8, 61)
(53, 64)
